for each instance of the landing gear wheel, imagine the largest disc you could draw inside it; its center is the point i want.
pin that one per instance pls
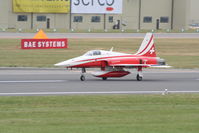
(139, 78)
(82, 78)
(104, 78)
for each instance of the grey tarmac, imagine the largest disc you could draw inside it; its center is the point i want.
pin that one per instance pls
(9, 35)
(33, 81)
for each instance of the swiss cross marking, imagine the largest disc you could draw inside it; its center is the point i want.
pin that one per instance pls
(152, 51)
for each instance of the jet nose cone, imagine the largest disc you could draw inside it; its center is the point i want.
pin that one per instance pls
(64, 63)
(58, 64)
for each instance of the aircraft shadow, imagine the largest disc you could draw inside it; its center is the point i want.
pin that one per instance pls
(124, 80)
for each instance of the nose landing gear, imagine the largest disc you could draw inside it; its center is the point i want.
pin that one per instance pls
(82, 77)
(104, 78)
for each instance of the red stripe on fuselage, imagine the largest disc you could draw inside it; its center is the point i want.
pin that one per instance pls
(96, 62)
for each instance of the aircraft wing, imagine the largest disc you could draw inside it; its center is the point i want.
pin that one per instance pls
(133, 63)
(130, 65)
(161, 66)
(127, 62)
(142, 65)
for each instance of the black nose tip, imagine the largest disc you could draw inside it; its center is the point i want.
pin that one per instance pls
(161, 62)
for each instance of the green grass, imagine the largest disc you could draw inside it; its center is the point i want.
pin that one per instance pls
(180, 53)
(100, 114)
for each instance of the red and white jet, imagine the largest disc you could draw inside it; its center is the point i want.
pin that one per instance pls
(114, 64)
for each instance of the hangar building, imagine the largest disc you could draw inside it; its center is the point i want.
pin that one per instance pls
(84, 14)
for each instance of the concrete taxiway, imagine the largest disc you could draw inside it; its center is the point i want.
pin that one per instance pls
(14, 82)
(99, 35)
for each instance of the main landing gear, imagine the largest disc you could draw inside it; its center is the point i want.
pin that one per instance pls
(82, 77)
(139, 76)
(104, 78)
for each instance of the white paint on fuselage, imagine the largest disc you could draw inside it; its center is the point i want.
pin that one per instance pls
(89, 57)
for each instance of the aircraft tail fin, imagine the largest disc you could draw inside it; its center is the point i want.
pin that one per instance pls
(147, 47)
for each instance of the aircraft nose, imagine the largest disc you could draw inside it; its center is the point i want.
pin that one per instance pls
(58, 64)
(64, 63)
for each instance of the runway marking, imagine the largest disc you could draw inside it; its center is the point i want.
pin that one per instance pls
(33, 81)
(83, 93)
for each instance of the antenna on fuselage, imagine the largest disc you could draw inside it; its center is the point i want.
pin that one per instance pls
(111, 50)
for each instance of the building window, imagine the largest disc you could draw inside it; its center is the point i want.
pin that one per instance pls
(95, 19)
(77, 19)
(147, 20)
(22, 18)
(110, 19)
(164, 19)
(41, 18)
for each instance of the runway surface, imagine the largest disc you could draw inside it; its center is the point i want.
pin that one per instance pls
(15, 82)
(99, 35)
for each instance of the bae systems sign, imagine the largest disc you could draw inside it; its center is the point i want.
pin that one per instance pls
(44, 43)
(97, 6)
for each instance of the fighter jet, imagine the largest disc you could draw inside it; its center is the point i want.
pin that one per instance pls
(116, 64)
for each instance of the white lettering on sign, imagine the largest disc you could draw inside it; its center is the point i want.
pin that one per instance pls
(43, 43)
(29, 44)
(63, 44)
(97, 6)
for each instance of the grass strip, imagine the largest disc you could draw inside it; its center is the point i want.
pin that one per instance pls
(179, 53)
(97, 114)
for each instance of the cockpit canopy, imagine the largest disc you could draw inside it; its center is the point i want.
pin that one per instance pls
(93, 53)
(102, 53)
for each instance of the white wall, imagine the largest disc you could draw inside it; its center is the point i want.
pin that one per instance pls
(181, 14)
(194, 11)
(4, 5)
(185, 12)
(156, 9)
